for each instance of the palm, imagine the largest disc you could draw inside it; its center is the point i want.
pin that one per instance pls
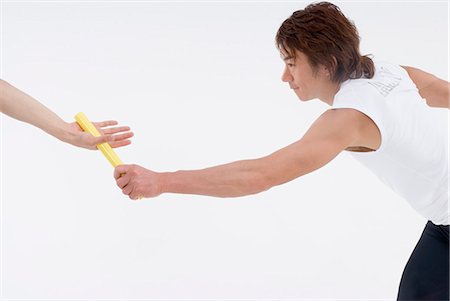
(115, 136)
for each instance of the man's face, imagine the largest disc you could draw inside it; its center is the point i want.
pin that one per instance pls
(301, 78)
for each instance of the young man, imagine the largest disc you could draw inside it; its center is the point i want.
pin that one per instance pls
(377, 114)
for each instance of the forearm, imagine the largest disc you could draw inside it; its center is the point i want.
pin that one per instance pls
(23, 107)
(229, 180)
(247, 177)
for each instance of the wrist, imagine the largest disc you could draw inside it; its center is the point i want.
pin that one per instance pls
(164, 182)
(65, 133)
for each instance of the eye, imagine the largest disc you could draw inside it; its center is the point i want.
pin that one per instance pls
(290, 65)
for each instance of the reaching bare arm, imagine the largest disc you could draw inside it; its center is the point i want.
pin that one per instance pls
(23, 107)
(434, 90)
(334, 131)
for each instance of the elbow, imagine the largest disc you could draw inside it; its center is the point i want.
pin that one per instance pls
(258, 176)
(262, 182)
(266, 183)
(263, 177)
(254, 183)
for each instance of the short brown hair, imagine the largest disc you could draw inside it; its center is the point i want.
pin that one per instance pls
(326, 37)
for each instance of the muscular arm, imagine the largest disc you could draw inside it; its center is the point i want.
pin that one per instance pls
(331, 133)
(434, 90)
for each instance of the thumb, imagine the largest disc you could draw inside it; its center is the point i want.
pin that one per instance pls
(120, 170)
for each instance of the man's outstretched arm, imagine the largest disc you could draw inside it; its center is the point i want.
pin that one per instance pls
(331, 133)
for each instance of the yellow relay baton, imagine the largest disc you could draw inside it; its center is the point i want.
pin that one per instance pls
(106, 149)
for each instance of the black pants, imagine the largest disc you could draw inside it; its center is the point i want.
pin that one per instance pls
(426, 275)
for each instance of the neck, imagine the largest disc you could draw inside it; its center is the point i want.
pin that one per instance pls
(328, 93)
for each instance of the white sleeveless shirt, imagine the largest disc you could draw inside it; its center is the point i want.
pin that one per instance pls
(413, 157)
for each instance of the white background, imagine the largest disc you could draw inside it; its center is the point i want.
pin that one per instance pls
(199, 83)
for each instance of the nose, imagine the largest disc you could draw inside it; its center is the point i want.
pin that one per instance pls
(286, 76)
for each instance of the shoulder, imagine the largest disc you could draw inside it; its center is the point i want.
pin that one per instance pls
(345, 127)
(343, 118)
(339, 125)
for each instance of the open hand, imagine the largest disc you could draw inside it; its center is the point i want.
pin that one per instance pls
(116, 136)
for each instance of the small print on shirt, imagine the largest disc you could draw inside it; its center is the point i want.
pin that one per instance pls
(386, 81)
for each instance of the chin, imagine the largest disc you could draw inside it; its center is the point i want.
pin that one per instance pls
(303, 98)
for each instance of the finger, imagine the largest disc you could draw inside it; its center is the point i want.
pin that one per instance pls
(119, 170)
(115, 130)
(114, 141)
(134, 196)
(122, 136)
(116, 144)
(105, 123)
(127, 189)
(123, 181)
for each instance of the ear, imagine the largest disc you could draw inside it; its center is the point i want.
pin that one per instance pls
(328, 71)
(324, 71)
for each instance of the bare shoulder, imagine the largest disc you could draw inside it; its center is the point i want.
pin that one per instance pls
(334, 131)
(348, 128)
(339, 122)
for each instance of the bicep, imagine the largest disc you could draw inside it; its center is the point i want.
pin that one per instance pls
(329, 135)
